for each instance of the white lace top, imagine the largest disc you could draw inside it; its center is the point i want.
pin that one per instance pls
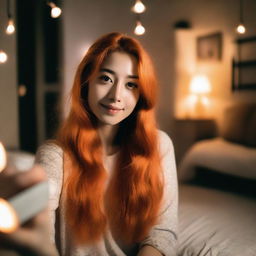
(163, 236)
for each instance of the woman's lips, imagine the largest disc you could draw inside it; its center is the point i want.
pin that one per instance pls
(111, 109)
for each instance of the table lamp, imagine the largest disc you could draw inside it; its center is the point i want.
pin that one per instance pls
(199, 88)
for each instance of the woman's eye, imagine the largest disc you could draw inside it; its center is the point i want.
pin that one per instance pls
(105, 78)
(131, 85)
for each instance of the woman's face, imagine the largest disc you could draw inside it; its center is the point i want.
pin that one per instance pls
(113, 91)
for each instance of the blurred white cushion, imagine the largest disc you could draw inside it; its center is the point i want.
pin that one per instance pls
(219, 155)
(21, 160)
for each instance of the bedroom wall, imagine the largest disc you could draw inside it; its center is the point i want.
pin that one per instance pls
(8, 85)
(84, 21)
(208, 17)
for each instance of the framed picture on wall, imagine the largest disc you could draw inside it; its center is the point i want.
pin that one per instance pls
(209, 47)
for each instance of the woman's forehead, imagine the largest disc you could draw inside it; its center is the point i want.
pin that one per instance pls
(121, 62)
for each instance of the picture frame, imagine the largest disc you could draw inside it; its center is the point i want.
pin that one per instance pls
(209, 47)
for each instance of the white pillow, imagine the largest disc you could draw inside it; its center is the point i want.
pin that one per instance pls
(219, 155)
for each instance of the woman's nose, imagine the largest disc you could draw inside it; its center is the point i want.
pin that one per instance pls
(115, 93)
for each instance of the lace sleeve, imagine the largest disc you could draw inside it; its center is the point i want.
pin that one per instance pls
(50, 157)
(163, 236)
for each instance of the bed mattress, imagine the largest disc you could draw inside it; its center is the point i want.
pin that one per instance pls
(215, 223)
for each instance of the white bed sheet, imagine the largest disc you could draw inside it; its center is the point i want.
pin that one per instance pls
(214, 223)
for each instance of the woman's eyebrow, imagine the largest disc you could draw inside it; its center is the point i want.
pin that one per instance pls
(107, 70)
(113, 73)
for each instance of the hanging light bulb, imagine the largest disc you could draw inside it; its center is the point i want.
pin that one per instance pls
(55, 11)
(3, 57)
(139, 29)
(10, 29)
(138, 7)
(241, 29)
(10, 26)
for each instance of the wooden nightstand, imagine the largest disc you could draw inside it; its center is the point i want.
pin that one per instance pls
(187, 131)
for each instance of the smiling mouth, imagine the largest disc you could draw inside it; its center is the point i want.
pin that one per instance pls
(111, 109)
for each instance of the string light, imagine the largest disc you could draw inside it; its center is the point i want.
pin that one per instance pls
(241, 28)
(10, 29)
(139, 29)
(138, 7)
(55, 11)
(3, 56)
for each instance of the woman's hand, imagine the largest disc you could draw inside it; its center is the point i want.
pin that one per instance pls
(148, 250)
(32, 238)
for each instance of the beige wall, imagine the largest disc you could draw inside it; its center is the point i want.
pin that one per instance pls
(84, 21)
(8, 85)
(218, 72)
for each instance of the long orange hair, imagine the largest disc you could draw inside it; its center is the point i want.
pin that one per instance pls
(130, 204)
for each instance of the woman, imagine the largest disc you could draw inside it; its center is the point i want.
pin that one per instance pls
(112, 175)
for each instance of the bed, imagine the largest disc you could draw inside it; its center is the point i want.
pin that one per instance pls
(217, 190)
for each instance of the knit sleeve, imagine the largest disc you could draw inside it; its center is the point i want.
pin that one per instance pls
(50, 157)
(163, 235)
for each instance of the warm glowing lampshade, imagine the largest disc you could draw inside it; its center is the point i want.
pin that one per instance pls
(139, 7)
(241, 29)
(10, 27)
(8, 217)
(139, 29)
(200, 85)
(2, 157)
(3, 57)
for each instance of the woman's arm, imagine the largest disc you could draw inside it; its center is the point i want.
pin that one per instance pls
(163, 236)
(50, 157)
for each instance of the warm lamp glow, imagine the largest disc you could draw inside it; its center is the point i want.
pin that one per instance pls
(139, 7)
(241, 29)
(197, 103)
(139, 29)
(3, 157)
(3, 57)
(200, 85)
(8, 218)
(10, 27)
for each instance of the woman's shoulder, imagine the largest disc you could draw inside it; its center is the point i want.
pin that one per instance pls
(165, 142)
(50, 147)
(49, 153)
(50, 156)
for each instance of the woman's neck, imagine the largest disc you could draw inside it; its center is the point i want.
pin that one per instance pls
(107, 135)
